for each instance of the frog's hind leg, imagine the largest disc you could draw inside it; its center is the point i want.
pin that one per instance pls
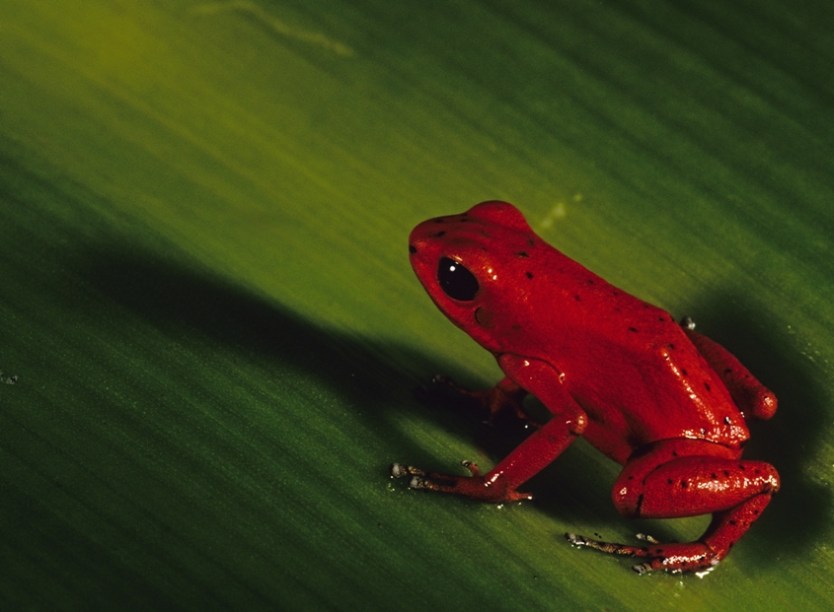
(725, 529)
(751, 396)
(679, 478)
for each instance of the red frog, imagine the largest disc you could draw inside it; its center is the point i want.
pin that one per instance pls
(667, 403)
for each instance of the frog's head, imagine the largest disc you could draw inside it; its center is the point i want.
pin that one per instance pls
(475, 267)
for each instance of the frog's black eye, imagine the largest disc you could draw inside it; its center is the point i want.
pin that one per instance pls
(456, 281)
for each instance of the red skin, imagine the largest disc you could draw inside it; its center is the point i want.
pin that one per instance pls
(665, 402)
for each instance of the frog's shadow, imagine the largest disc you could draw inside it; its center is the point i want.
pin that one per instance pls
(191, 302)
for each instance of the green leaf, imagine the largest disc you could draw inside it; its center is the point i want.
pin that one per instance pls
(210, 334)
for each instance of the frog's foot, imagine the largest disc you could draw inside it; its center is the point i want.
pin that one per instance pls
(688, 323)
(445, 390)
(691, 557)
(502, 404)
(475, 486)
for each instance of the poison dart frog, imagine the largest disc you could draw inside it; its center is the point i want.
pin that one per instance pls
(664, 401)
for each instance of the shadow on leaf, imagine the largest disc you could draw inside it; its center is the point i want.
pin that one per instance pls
(191, 302)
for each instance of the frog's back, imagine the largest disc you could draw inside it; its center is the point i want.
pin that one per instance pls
(649, 385)
(633, 368)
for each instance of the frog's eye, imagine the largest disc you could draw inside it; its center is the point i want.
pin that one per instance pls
(456, 281)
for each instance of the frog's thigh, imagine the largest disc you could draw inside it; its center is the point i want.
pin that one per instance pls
(688, 478)
(751, 396)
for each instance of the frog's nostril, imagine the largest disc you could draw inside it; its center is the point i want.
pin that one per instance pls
(483, 317)
(412, 249)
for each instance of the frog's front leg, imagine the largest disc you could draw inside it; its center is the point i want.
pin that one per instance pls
(526, 460)
(501, 483)
(678, 478)
(751, 396)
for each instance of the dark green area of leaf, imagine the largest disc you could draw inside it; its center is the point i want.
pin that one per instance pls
(210, 335)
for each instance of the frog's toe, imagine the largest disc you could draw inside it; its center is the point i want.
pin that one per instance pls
(421, 482)
(400, 470)
(610, 548)
(642, 568)
(419, 478)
